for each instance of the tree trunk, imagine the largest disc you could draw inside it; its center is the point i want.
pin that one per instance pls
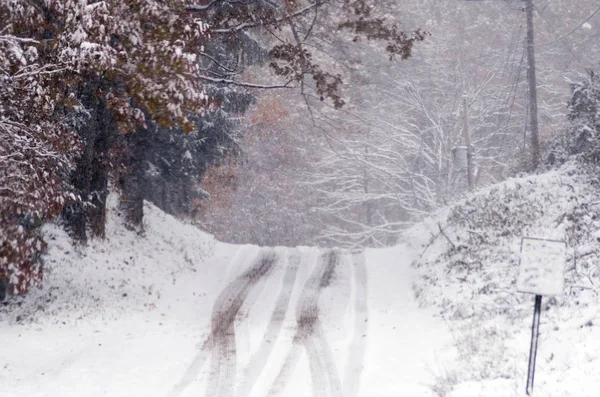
(99, 184)
(132, 177)
(90, 178)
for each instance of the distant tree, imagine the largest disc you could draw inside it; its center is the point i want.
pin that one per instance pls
(176, 160)
(580, 139)
(584, 114)
(389, 161)
(257, 198)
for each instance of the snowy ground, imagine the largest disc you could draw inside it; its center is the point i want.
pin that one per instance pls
(175, 313)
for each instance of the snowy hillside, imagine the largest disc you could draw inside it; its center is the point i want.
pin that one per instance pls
(175, 313)
(468, 271)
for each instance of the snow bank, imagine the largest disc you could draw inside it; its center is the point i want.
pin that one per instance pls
(107, 277)
(468, 271)
(111, 313)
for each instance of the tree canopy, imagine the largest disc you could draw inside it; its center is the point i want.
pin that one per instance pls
(86, 87)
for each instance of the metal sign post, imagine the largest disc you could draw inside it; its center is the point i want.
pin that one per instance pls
(535, 333)
(541, 272)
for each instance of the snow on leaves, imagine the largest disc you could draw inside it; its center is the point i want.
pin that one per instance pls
(35, 153)
(142, 52)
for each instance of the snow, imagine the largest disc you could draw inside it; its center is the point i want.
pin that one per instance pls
(438, 315)
(408, 345)
(132, 315)
(469, 273)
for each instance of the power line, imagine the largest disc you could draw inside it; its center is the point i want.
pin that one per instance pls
(511, 54)
(553, 32)
(572, 31)
(512, 69)
(516, 86)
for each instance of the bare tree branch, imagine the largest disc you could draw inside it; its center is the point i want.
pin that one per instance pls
(243, 84)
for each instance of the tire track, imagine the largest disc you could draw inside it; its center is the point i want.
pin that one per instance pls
(320, 358)
(354, 366)
(287, 369)
(233, 292)
(202, 356)
(225, 310)
(310, 334)
(259, 359)
(310, 331)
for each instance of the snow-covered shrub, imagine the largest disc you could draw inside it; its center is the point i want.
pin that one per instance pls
(470, 272)
(483, 234)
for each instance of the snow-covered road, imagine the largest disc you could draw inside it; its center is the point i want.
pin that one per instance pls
(250, 322)
(318, 323)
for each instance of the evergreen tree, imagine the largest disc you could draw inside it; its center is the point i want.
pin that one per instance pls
(584, 115)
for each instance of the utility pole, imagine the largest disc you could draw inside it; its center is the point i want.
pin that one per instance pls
(467, 133)
(533, 108)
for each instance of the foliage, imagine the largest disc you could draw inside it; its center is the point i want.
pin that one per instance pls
(36, 152)
(92, 85)
(144, 51)
(580, 139)
(480, 236)
(293, 23)
(148, 49)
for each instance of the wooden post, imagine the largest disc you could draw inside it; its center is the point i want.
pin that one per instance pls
(531, 77)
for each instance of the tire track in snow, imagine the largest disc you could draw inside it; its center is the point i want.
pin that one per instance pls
(222, 341)
(289, 365)
(310, 330)
(310, 334)
(194, 368)
(259, 359)
(356, 356)
(205, 350)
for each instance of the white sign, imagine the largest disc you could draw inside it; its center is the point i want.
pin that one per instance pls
(542, 266)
